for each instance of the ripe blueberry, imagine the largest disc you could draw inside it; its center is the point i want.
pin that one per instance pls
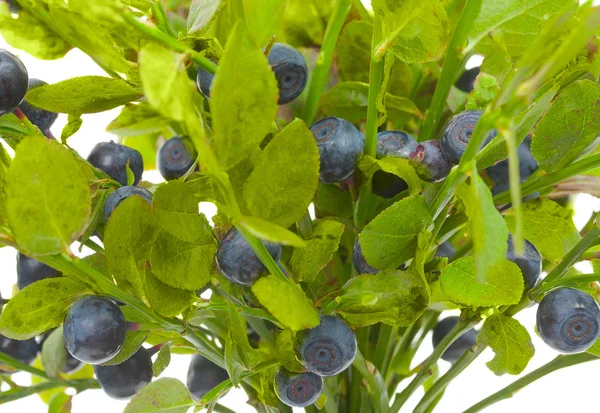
(203, 375)
(527, 165)
(329, 348)
(41, 118)
(175, 158)
(530, 262)
(466, 81)
(445, 249)
(204, 81)
(568, 319)
(457, 134)
(122, 193)
(237, 261)
(460, 345)
(395, 144)
(124, 380)
(290, 70)
(297, 389)
(23, 351)
(71, 363)
(13, 82)
(360, 263)
(429, 162)
(112, 158)
(30, 270)
(340, 146)
(94, 330)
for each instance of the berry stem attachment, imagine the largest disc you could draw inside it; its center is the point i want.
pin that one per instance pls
(560, 362)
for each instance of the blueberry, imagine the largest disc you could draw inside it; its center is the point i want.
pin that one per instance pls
(457, 134)
(360, 263)
(498, 173)
(395, 144)
(340, 146)
(530, 262)
(122, 193)
(203, 375)
(237, 261)
(13, 82)
(297, 389)
(23, 351)
(290, 70)
(446, 249)
(387, 185)
(175, 158)
(567, 320)
(429, 162)
(30, 270)
(112, 158)
(13, 6)
(204, 80)
(72, 365)
(329, 348)
(41, 118)
(460, 345)
(124, 380)
(94, 330)
(466, 82)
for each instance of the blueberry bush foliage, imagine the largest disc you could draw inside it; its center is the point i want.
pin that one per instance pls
(434, 188)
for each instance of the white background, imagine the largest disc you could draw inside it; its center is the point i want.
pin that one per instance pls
(572, 389)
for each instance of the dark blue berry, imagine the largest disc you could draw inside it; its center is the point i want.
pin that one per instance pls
(204, 80)
(568, 319)
(175, 158)
(290, 70)
(340, 146)
(124, 380)
(446, 249)
(466, 81)
(72, 365)
(94, 330)
(297, 389)
(499, 174)
(30, 270)
(395, 144)
(13, 82)
(122, 193)
(41, 118)
(237, 261)
(360, 263)
(329, 348)
(387, 185)
(203, 375)
(23, 351)
(13, 6)
(457, 134)
(460, 345)
(113, 158)
(530, 262)
(429, 162)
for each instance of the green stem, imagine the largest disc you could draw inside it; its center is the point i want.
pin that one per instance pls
(320, 73)
(386, 336)
(567, 281)
(459, 329)
(450, 69)
(560, 362)
(244, 310)
(219, 408)
(515, 188)
(377, 393)
(362, 11)
(93, 246)
(355, 393)
(23, 392)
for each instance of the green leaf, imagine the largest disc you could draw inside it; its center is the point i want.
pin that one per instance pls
(269, 232)
(503, 283)
(79, 95)
(548, 226)
(39, 307)
(202, 13)
(164, 395)
(320, 247)
(48, 199)
(396, 166)
(354, 51)
(284, 350)
(60, 403)
(244, 99)
(166, 83)
(264, 18)
(133, 341)
(349, 100)
(305, 21)
(333, 200)
(71, 128)
(239, 355)
(485, 90)
(569, 129)
(163, 359)
(233, 359)
(486, 225)
(398, 298)
(165, 300)
(31, 35)
(284, 180)
(54, 353)
(510, 341)
(137, 119)
(416, 31)
(146, 145)
(287, 302)
(391, 238)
